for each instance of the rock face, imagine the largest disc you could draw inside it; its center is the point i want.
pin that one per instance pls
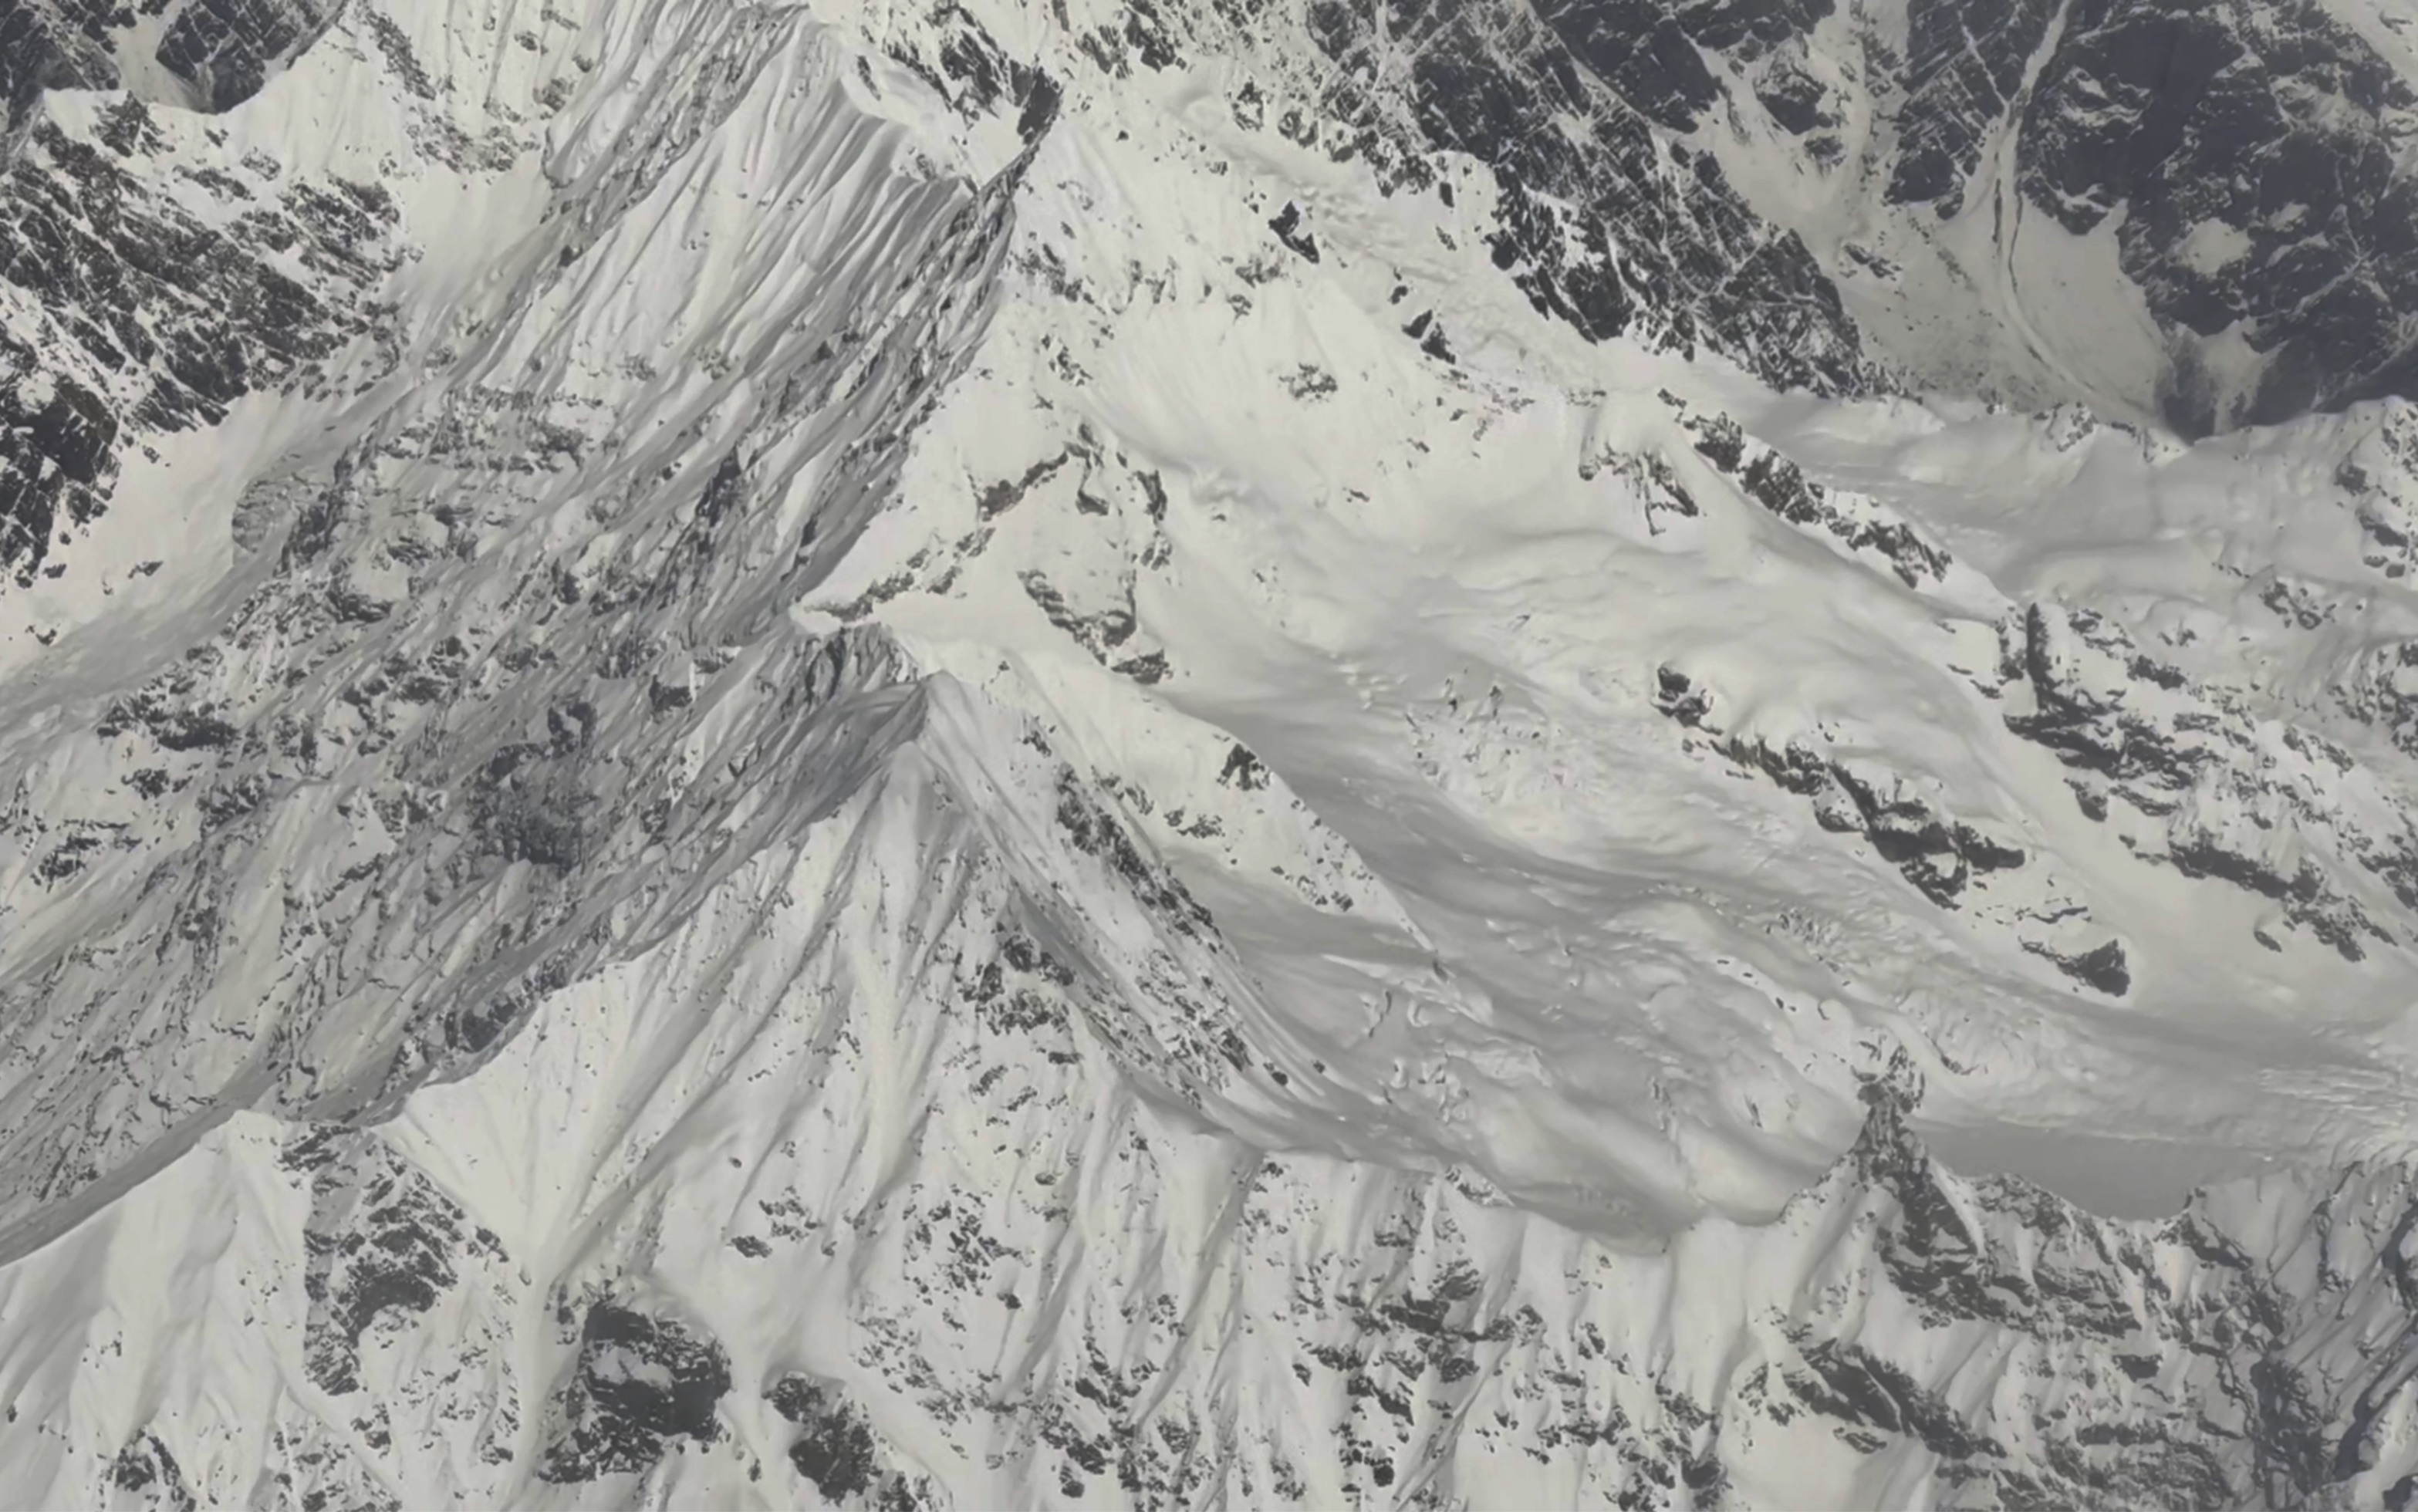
(383, 1243)
(146, 302)
(201, 54)
(1602, 219)
(838, 1451)
(637, 1383)
(2204, 127)
(1153, 755)
(2238, 164)
(2239, 160)
(2271, 808)
(1962, 72)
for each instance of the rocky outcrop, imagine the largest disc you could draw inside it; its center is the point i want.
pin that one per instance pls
(2242, 157)
(637, 1382)
(1858, 523)
(2249, 150)
(838, 1450)
(146, 1475)
(148, 310)
(1962, 70)
(1600, 217)
(1938, 854)
(208, 55)
(2212, 786)
(1974, 868)
(384, 1243)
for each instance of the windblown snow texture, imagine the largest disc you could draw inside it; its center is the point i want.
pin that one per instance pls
(1252, 754)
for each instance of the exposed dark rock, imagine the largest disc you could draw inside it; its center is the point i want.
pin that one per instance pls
(2101, 966)
(1781, 486)
(145, 1470)
(1796, 100)
(1243, 769)
(839, 1451)
(135, 293)
(538, 814)
(55, 453)
(1938, 854)
(1963, 69)
(1856, 1386)
(217, 52)
(2382, 690)
(381, 1240)
(1038, 95)
(2089, 728)
(2262, 123)
(1005, 494)
(1677, 696)
(1096, 832)
(638, 1383)
(226, 49)
(1599, 224)
(2248, 154)
(2001, 1250)
(2228, 786)
(1287, 226)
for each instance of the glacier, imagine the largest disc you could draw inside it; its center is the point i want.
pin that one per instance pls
(1226, 755)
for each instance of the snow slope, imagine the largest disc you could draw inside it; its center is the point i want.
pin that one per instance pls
(901, 757)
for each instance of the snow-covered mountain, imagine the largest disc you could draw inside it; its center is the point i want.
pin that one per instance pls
(1150, 754)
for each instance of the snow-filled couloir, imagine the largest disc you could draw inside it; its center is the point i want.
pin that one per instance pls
(1153, 755)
